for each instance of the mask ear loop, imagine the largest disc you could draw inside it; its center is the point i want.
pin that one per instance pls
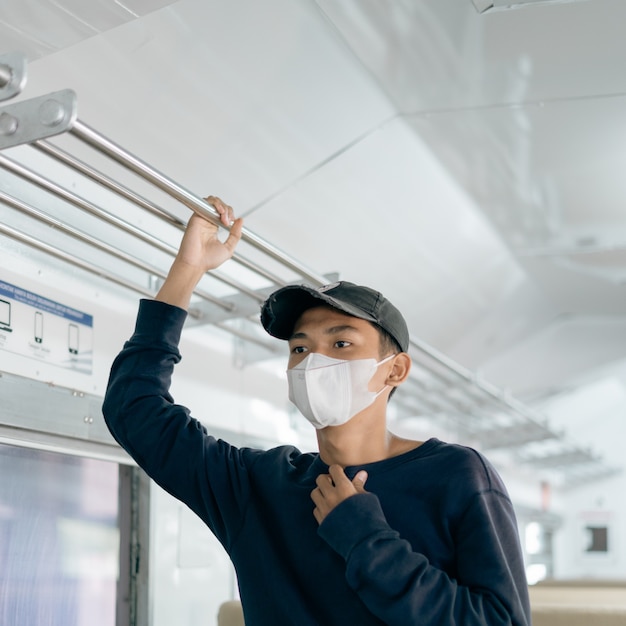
(388, 358)
(377, 365)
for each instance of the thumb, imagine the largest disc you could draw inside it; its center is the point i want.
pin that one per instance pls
(234, 236)
(359, 481)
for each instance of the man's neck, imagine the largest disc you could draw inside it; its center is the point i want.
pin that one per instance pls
(364, 439)
(341, 445)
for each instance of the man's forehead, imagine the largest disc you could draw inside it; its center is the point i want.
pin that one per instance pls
(327, 318)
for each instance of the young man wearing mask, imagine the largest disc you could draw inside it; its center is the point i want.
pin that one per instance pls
(373, 530)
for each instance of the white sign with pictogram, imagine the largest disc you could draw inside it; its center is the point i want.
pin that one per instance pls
(40, 328)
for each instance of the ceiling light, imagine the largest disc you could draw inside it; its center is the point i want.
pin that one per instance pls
(497, 5)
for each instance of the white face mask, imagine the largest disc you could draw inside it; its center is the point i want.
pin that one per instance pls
(329, 392)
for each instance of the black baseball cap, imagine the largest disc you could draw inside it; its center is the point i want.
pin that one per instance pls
(281, 310)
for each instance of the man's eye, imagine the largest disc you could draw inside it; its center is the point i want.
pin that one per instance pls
(298, 349)
(342, 344)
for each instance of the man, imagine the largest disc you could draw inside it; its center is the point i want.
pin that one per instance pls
(375, 529)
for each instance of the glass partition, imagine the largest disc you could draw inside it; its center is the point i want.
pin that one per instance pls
(59, 539)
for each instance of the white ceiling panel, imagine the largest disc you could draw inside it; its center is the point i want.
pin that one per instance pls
(232, 106)
(389, 200)
(563, 351)
(37, 28)
(445, 55)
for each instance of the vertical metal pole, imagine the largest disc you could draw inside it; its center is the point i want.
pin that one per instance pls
(132, 608)
(124, 522)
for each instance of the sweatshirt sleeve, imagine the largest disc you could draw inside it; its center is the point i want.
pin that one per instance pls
(174, 449)
(401, 587)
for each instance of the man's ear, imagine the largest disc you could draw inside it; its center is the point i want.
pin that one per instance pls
(400, 370)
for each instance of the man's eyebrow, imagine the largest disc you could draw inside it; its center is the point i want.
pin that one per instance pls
(333, 330)
(340, 329)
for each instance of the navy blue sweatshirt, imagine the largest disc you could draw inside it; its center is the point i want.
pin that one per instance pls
(434, 540)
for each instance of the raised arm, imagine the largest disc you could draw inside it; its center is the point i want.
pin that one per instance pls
(170, 445)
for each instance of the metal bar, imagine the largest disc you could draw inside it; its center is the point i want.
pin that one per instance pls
(567, 457)
(442, 359)
(416, 402)
(195, 203)
(246, 337)
(47, 185)
(106, 181)
(48, 220)
(440, 401)
(99, 245)
(123, 191)
(44, 247)
(490, 390)
(513, 436)
(59, 254)
(81, 203)
(275, 280)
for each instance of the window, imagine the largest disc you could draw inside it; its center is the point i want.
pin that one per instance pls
(59, 539)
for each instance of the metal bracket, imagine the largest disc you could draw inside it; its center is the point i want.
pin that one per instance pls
(12, 74)
(38, 118)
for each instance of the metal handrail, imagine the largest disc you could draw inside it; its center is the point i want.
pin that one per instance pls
(128, 194)
(50, 186)
(33, 242)
(78, 235)
(99, 142)
(37, 244)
